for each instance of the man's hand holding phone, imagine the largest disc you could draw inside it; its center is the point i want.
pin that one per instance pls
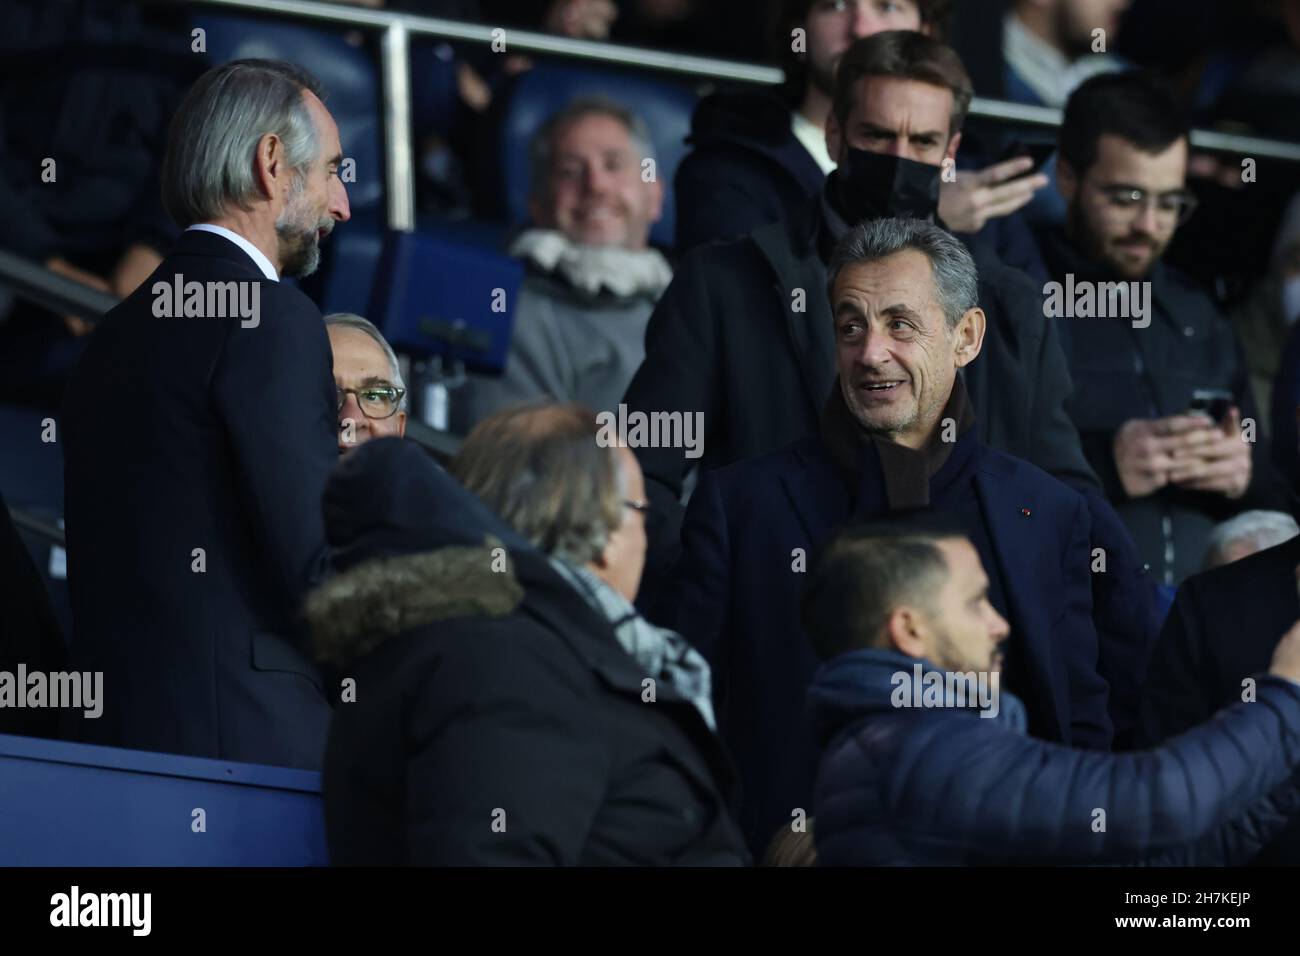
(1215, 458)
(1147, 449)
(974, 198)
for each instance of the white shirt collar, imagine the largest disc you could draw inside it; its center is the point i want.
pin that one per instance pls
(813, 138)
(254, 253)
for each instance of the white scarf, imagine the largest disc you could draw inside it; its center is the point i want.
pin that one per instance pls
(624, 272)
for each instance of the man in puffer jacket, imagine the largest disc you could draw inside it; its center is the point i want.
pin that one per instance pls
(925, 763)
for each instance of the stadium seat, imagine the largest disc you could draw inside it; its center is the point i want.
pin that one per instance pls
(66, 804)
(441, 296)
(666, 108)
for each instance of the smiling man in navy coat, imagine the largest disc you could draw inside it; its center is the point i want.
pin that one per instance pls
(897, 434)
(198, 431)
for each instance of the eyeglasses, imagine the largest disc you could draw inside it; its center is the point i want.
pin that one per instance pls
(1129, 202)
(642, 506)
(375, 401)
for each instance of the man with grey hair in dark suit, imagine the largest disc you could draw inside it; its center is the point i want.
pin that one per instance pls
(198, 431)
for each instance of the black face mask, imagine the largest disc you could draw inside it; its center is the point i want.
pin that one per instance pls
(876, 186)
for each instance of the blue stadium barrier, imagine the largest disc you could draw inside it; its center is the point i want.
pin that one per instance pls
(665, 107)
(67, 804)
(438, 298)
(350, 269)
(31, 470)
(31, 479)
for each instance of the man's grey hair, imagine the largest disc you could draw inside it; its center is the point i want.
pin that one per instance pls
(956, 281)
(349, 320)
(543, 471)
(208, 167)
(1263, 529)
(542, 147)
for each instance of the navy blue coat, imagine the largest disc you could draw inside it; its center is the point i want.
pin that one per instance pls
(736, 591)
(198, 433)
(945, 786)
(747, 168)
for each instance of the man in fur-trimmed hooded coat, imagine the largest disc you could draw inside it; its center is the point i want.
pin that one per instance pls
(496, 718)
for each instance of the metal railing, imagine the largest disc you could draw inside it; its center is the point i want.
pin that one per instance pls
(399, 28)
(26, 521)
(33, 282)
(1211, 141)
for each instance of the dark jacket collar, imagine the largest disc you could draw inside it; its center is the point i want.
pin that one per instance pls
(204, 244)
(875, 682)
(790, 249)
(903, 473)
(1062, 257)
(759, 123)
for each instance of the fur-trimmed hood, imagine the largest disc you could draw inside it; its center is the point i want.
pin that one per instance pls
(410, 547)
(354, 612)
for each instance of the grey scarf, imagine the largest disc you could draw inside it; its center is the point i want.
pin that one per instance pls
(663, 654)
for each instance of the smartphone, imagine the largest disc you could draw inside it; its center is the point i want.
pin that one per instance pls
(1040, 153)
(1214, 402)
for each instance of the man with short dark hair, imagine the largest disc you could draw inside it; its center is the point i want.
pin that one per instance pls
(898, 432)
(1142, 338)
(758, 157)
(924, 755)
(198, 430)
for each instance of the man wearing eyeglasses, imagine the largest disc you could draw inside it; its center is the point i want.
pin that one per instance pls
(367, 382)
(1173, 462)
